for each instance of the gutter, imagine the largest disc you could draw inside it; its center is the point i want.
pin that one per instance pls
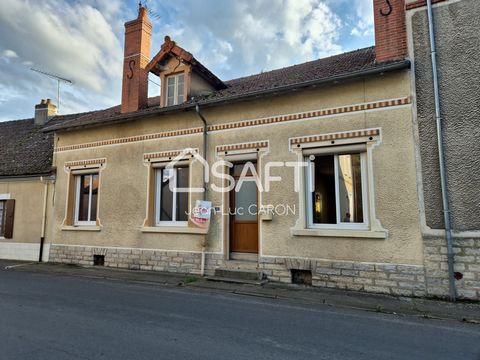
(405, 64)
(27, 177)
(441, 156)
(205, 184)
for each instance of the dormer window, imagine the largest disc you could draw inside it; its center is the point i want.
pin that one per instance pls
(175, 89)
(182, 77)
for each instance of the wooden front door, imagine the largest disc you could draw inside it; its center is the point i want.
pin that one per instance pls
(243, 210)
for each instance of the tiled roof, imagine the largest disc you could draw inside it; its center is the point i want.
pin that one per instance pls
(25, 149)
(330, 68)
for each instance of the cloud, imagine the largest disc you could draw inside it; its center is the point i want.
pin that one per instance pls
(73, 40)
(246, 37)
(8, 54)
(364, 13)
(83, 41)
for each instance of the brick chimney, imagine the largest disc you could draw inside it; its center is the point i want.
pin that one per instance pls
(390, 30)
(44, 111)
(137, 55)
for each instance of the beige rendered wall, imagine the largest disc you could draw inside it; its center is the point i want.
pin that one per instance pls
(123, 190)
(29, 204)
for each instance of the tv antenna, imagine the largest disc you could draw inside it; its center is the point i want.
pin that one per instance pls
(153, 14)
(59, 80)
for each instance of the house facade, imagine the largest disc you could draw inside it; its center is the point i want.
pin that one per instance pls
(314, 173)
(348, 118)
(27, 185)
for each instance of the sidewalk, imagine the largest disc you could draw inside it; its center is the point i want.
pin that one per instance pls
(460, 311)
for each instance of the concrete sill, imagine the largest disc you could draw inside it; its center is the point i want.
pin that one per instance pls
(174, 230)
(81, 228)
(367, 234)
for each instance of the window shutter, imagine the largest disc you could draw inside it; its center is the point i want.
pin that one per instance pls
(9, 216)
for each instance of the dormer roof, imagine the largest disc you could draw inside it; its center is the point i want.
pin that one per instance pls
(170, 49)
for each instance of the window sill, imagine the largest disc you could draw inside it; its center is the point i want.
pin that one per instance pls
(345, 233)
(174, 230)
(81, 228)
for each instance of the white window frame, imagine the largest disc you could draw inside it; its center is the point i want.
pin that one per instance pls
(158, 197)
(77, 200)
(365, 199)
(175, 90)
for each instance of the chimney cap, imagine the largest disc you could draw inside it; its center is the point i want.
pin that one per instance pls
(142, 11)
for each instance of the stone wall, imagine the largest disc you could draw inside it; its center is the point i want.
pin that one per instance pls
(132, 259)
(467, 263)
(393, 279)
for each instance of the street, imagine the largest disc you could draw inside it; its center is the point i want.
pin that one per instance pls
(48, 316)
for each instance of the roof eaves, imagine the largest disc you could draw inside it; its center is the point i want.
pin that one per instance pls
(377, 69)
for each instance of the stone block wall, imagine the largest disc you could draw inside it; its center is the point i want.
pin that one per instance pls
(393, 279)
(132, 259)
(467, 263)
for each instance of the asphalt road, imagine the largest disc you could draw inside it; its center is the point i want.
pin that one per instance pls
(47, 316)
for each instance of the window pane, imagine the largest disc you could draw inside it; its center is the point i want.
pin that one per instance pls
(238, 168)
(166, 196)
(83, 197)
(350, 188)
(323, 196)
(180, 92)
(170, 90)
(180, 98)
(93, 211)
(246, 201)
(182, 197)
(181, 79)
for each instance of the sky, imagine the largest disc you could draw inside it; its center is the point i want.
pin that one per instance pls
(83, 41)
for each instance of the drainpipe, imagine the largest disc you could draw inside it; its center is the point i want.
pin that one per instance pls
(441, 155)
(205, 185)
(44, 218)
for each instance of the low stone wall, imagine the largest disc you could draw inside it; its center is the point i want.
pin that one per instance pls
(467, 263)
(394, 279)
(133, 259)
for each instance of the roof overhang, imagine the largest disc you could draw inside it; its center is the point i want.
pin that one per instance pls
(205, 102)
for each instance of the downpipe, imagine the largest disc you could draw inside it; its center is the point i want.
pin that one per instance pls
(205, 185)
(44, 218)
(441, 157)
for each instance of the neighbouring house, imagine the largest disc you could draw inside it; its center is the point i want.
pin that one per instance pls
(456, 28)
(27, 184)
(324, 159)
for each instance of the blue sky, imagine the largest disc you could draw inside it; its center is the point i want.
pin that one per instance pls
(83, 41)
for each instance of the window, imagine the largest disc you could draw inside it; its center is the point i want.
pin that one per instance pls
(171, 207)
(86, 197)
(175, 89)
(2, 217)
(336, 191)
